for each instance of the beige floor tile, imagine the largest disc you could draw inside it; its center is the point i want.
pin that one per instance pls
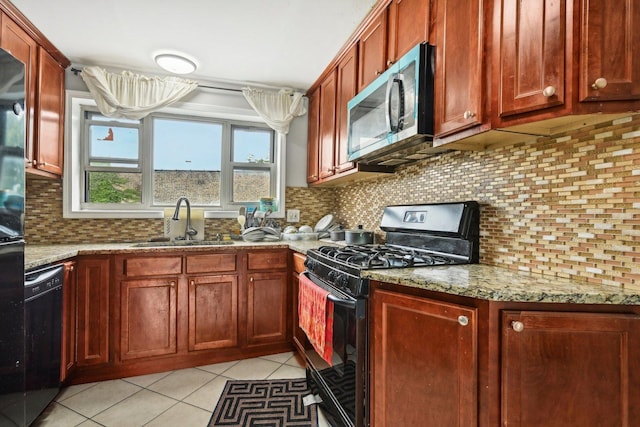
(280, 357)
(287, 371)
(179, 384)
(322, 420)
(100, 397)
(252, 369)
(295, 360)
(135, 410)
(67, 392)
(57, 415)
(206, 397)
(147, 380)
(182, 414)
(218, 368)
(89, 423)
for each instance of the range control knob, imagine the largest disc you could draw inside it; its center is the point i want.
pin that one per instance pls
(310, 264)
(342, 280)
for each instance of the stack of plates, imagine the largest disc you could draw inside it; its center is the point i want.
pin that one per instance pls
(258, 234)
(325, 226)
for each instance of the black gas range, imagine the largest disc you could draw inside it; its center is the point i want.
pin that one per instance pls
(416, 236)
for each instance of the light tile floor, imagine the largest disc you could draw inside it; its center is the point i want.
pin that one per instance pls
(185, 397)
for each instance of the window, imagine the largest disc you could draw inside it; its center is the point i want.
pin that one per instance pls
(136, 168)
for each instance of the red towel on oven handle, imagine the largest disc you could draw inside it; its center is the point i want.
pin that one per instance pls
(315, 317)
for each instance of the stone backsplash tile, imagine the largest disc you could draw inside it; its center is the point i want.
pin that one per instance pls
(44, 223)
(565, 206)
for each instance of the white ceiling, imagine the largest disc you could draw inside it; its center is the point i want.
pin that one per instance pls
(282, 43)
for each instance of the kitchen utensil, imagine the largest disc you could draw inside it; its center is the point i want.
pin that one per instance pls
(264, 218)
(305, 229)
(358, 236)
(337, 235)
(242, 220)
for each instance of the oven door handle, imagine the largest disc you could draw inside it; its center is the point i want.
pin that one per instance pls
(342, 302)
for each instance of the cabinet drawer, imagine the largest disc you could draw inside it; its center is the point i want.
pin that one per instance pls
(152, 266)
(298, 262)
(266, 260)
(211, 263)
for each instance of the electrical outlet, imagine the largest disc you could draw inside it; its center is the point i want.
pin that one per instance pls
(293, 215)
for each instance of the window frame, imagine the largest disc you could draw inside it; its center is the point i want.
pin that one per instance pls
(77, 159)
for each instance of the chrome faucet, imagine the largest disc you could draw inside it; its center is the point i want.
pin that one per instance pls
(189, 231)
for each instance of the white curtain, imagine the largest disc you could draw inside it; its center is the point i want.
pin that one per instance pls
(133, 96)
(277, 109)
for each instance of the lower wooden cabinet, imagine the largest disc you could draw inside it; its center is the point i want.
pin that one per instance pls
(423, 362)
(145, 312)
(570, 369)
(300, 340)
(148, 314)
(213, 312)
(69, 315)
(443, 360)
(267, 297)
(92, 334)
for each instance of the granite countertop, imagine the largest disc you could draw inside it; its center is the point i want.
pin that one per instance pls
(471, 280)
(499, 284)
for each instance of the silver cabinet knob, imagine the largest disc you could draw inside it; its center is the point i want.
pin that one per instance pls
(463, 320)
(549, 91)
(600, 83)
(517, 326)
(469, 115)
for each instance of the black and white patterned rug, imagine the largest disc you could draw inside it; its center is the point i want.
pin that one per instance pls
(264, 403)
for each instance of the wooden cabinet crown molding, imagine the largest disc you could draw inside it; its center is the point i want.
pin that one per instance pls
(12, 12)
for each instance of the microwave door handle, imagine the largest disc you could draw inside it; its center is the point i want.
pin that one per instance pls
(342, 302)
(396, 82)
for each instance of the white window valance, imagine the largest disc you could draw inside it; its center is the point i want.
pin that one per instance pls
(133, 96)
(277, 109)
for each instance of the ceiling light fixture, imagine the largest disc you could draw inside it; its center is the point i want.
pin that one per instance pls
(175, 63)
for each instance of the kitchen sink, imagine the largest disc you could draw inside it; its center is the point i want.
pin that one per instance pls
(183, 243)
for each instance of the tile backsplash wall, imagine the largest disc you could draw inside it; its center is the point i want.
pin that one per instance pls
(566, 206)
(44, 223)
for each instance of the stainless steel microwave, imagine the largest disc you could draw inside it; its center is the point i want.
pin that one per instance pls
(396, 108)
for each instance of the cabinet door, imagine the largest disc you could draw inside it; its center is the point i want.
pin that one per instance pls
(570, 369)
(609, 50)
(213, 312)
(299, 337)
(18, 43)
(313, 137)
(69, 307)
(347, 89)
(148, 310)
(424, 362)
(49, 114)
(408, 26)
(267, 308)
(328, 125)
(93, 311)
(532, 55)
(372, 51)
(459, 65)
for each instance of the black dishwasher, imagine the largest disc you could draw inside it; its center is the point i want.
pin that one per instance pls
(43, 337)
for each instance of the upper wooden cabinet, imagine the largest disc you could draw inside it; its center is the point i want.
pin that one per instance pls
(609, 55)
(44, 70)
(49, 115)
(533, 47)
(372, 48)
(409, 22)
(459, 68)
(347, 70)
(327, 126)
(313, 132)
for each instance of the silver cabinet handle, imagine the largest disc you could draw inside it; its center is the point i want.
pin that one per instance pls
(549, 91)
(517, 326)
(463, 320)
(600, 83)
(469, 115)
